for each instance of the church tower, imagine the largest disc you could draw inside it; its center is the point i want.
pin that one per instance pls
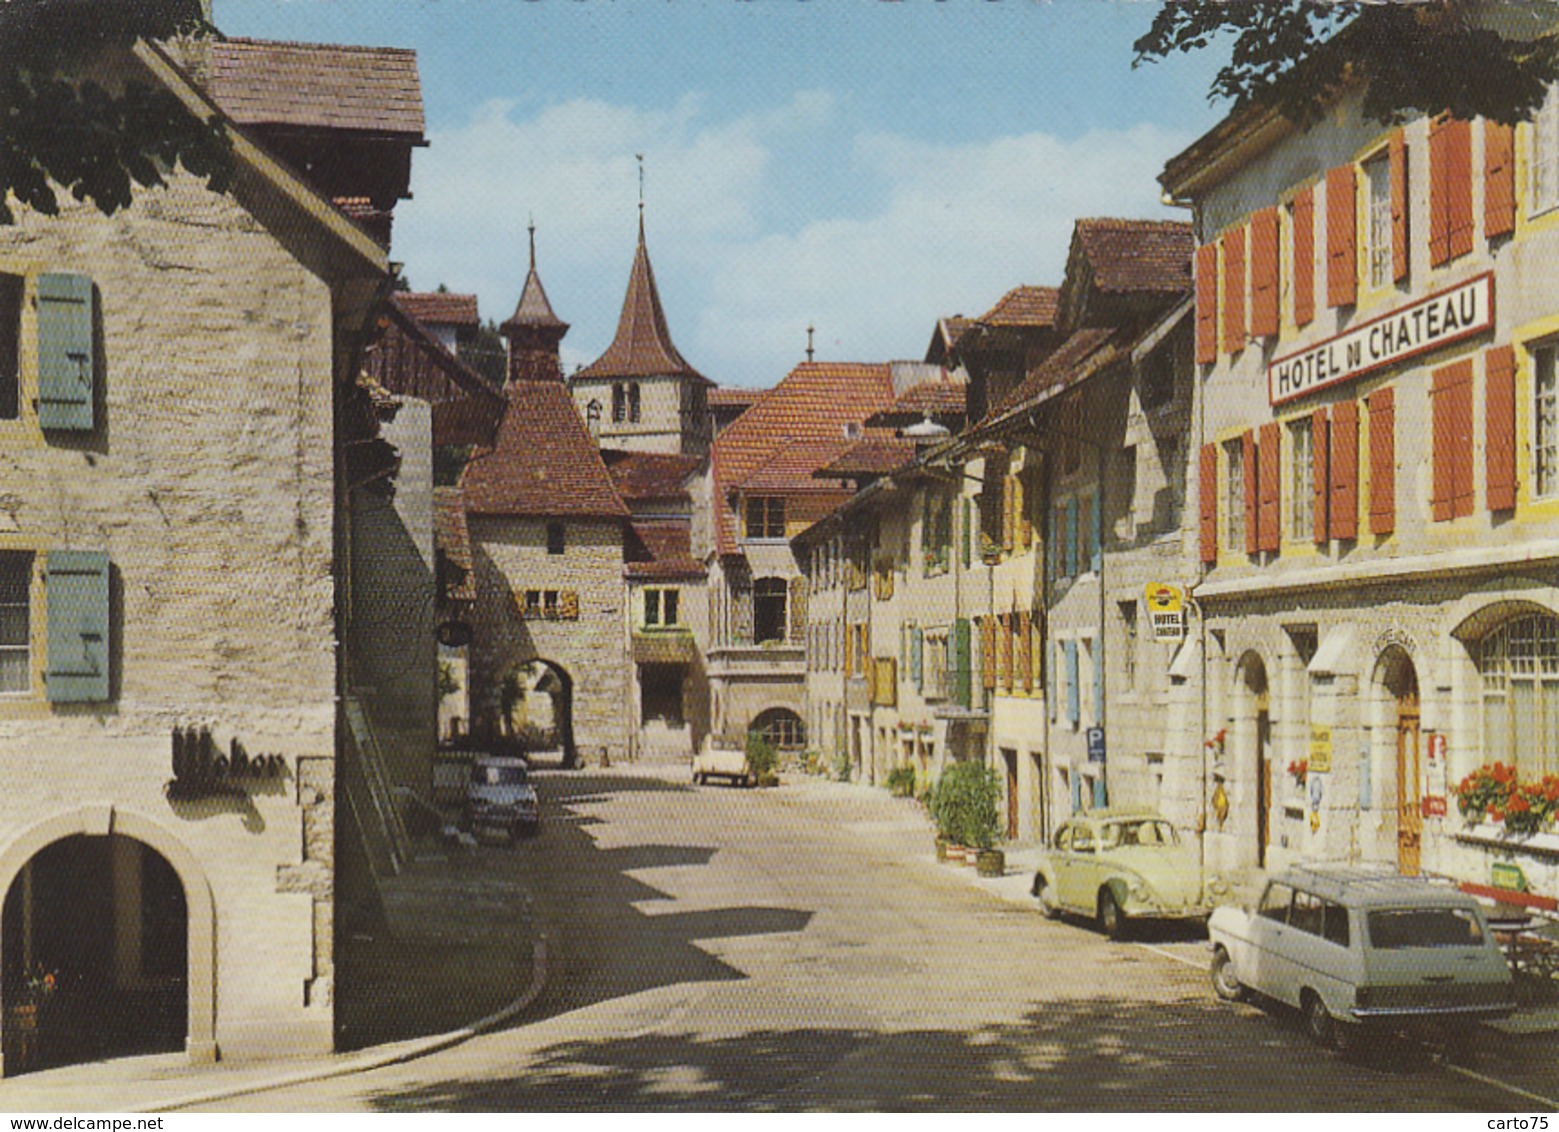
(533, 332)
(642, 395)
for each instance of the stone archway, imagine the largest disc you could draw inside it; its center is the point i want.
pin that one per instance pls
(1252, 732)
(1396, 678)
(547, 680)
(199, 941)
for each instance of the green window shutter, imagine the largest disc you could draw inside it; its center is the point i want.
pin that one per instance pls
(76, 582)
(65, 352)
(917, 644)
(1074, 707)
(1077, 792)
(1098, 533)
(1101, 799)
(968, 539)
(961, 683)
(1072, 546)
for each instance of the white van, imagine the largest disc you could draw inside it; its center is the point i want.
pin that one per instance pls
(1353, 946)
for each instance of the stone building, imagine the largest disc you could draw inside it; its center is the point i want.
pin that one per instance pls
(173, 549)
(1375, 329)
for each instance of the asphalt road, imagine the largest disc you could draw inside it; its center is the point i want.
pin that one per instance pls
(797, 949)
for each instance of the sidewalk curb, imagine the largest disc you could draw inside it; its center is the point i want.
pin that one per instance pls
(362, 1063)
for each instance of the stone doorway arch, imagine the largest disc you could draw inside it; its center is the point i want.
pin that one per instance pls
(173, 868)
(1396, 681)
(1252, 731)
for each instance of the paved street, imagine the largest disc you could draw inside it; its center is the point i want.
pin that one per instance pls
(798, 949)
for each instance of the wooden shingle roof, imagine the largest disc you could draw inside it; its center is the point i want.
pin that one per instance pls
(274, 83)
(438, 308)
(643, 346)
(1137, 255)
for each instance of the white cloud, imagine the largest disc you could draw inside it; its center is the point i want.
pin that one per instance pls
(910, 230)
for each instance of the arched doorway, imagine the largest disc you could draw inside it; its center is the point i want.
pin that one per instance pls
(94, 961)
(1396, 674)
(781, 728)
(536, 706)
(1253, 732)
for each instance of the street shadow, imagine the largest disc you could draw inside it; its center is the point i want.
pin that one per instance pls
(1103, 1054)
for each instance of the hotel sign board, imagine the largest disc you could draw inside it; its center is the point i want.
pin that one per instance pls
(1444, 317)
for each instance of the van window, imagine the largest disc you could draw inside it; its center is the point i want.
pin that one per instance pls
(1396, 929)
(1064, 837)
(1275, 901)
(1308, 913)
(1335, 928)
(1082, 839)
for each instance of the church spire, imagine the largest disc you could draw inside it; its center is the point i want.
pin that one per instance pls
(534, 331)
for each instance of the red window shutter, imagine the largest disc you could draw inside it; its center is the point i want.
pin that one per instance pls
(1208, 476)
(1399, 206)
(1343, 519)
(1451, 397)
(1207, 304)
(1264, 273)
(1271, 479)
(1450, 190)
(1234, 290)
(1383, 461)
(1499, 408)
(1320, 483)
(1342, 272)
(988, 653)
(1006, 651)
(1499, 180)
(1248, 467)
(1304, 257)
(1026, 650)
(1439, 222)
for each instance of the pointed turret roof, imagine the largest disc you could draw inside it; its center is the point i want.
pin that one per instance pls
(643, 345)
(534, 310)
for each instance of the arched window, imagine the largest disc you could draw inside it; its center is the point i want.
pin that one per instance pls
(633, 401)
(768, 609)
(619, 403)
(781, 728)
(1518, 668)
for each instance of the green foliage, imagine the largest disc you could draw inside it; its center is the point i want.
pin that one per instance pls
(1424, 57)
(842, 766)
(448, 684)
(448, 462)
(761, 755)
(486, 353)
(965, 804)
(901, 781)
(65, 128)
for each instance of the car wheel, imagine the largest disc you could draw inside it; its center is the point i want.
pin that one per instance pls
(1046, 897)
(1226, 983)
(1319, 1023)
(1112, 921)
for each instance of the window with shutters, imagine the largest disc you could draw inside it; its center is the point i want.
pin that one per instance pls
(1301, 479)
(15, 623)
(1545, 421)
(67, 363)
(1451, 399)
(1301, 252)
(76, 586)
(1378, 249)
(1383, 460)
(1450, 190)
(10, 347)
(1234, 496)
(935, 682)
(1518, 667)
(1545, 155)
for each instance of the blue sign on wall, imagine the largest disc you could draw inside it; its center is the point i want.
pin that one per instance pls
(1096, 744)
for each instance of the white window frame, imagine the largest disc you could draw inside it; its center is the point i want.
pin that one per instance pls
(16, 619)
(1301, 480)
(1523, 650)
(1234, 495)
(1377, 225)
(1545, 421)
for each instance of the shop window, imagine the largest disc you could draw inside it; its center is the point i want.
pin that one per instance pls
(1545, 421)
(1545, 155)
(15, 622)
(768, 609)
(1301, 508)
(1378, 252)
(766, 516)
(1234, 496)
(1518, 666)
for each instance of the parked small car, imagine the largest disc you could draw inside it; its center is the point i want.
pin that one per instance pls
(1118, 865)
(499, 796)
(1357, 946)
(722, 759)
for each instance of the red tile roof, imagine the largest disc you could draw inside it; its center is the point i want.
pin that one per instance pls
(1024, 306)
(271, 83)
(1137, 255)
(813, 403)
(931, 397)
(876, 456)
(790, 468)
(453, 539)
(650, 475)
(643, 346)
(662, 548)
(727, 397)
(438, 308)
(544, 463)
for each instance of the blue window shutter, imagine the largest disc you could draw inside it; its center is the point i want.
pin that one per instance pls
(76, 582)
(1098, 534)
(1100, 799)
(1077, 792)
(1071, 537)
(1073, 697)
(66, 363)
(917, 643)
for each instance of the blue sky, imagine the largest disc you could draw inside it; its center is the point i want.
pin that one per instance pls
(861, 165)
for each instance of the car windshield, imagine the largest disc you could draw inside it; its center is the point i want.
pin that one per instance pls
(498, 775)
(1147, 831)
(1395, 929)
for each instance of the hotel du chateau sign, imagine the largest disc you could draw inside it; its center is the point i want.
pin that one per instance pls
(1432, 322)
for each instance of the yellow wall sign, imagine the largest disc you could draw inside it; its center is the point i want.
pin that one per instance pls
(1166, 611)
(1320, 749)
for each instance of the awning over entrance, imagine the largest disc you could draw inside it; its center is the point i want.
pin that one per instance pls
(664, 648)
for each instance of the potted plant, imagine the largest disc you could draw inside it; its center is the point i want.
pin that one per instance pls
(762, 760)
(965, 807)
(901, 781)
